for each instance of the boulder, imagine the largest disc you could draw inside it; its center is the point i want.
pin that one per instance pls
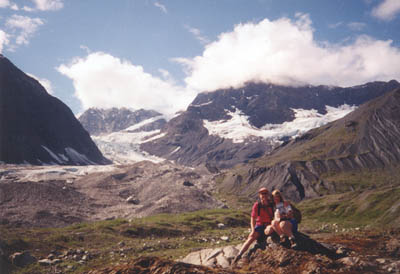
(218, 257)
(22, 259)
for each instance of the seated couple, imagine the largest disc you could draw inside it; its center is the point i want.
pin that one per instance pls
(268, 217)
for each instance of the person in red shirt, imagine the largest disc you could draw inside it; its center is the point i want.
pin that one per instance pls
(262, 214)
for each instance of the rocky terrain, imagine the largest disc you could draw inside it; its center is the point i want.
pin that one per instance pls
(308, 167)
(190, 139)
(37, 128)
(58, 196)
(350, 253)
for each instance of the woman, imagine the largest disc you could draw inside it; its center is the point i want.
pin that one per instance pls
(283, 223)
(261, 216)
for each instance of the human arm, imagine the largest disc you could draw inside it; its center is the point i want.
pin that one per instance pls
(288, 210)
(253, 223)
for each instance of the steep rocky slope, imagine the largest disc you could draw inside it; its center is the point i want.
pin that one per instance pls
(105, 121)
(189, 139)
(366, 140)
(37, 128)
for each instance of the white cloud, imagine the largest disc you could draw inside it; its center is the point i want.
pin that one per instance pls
(3, 40)
(387, 10)
(336, 25)
(285, 52)
(4, 3)
(197, 34)
(25, 26)
(8, 4)
(101, 80)
(44, 82)
(45, 5)
(162, 7)
(357, 26)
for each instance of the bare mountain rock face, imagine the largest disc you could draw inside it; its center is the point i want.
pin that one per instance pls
(187, 141)
(37, 128)
(105, 121)
(366, 139)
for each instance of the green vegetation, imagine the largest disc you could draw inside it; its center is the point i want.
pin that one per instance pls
(364, 179)
(375, 208)
(110, 242)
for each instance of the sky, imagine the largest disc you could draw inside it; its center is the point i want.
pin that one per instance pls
(159, 54)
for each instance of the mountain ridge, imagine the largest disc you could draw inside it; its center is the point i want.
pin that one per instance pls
(187, 141)
(366, 139)
(37, 128)
(104, 121)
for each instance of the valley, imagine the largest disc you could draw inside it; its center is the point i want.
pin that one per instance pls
(125, 191)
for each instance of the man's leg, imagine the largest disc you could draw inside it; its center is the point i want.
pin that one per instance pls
(252, 237)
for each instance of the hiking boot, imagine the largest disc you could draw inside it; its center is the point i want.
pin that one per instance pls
(293, 243)
(237, 258)
(282, 239)
(261, 245)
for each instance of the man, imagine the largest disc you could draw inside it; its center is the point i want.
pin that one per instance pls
(261, 216)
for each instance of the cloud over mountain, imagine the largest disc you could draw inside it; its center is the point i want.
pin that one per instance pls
(102, 80)
(285, 52)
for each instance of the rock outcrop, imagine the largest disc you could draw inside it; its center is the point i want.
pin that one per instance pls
(361, 253)
(37, 128)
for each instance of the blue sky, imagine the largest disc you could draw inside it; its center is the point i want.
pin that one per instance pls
(158, 54)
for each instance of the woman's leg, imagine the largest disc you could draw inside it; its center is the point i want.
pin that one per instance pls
(269, 230)
(276, 226)
(286, 228)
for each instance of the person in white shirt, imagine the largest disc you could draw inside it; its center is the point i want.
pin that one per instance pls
(284, 223)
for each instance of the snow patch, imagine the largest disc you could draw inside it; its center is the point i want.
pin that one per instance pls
(144, 122)
(54, 156)
(124, 147)
(175, 150)
(55, 172)
(77, 157)
(238, 128)
(201, 105)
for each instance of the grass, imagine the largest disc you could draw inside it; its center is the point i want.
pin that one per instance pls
(364, 208)
(110, 242)
(363, 179)
(174, 236)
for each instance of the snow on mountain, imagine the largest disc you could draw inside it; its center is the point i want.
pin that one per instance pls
(123, 147)
(238, 128)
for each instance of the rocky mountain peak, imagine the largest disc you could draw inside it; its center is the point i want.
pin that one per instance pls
(37, 128)
(104, 121)
(364, 140)
(207, 130)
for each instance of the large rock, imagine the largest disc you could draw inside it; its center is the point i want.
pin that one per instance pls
(37, 128)
(22, 259)
(219, 257)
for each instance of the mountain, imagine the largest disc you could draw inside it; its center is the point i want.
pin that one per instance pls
(231, 126)
(104, 121)
(357, 152)
(37, 128)
(118, 132)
